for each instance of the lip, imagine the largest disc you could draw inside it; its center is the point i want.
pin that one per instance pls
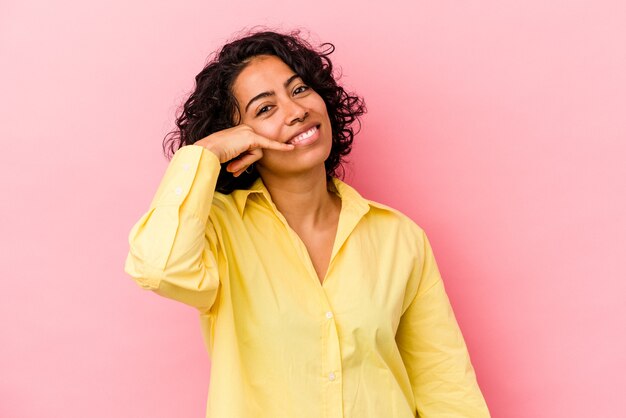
(304, 129)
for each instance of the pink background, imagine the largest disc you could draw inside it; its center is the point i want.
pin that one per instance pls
(498, 126)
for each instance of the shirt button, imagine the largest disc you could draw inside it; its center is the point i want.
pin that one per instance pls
(329, 314)
(178, 191)
(186, 166)
(331, 376)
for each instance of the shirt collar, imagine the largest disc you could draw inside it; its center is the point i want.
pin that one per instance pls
(351, 200)
(240, 196)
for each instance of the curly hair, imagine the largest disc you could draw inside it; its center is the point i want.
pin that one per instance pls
(212, 106)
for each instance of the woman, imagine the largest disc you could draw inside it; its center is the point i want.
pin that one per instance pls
(314, 301)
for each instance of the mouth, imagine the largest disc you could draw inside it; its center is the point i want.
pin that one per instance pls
(305, 137)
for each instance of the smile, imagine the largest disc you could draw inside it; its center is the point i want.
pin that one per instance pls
(305, 137)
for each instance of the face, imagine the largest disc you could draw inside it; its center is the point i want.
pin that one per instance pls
(274, 101)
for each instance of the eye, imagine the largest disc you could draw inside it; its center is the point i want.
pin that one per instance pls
(264, 109)
(300, 89)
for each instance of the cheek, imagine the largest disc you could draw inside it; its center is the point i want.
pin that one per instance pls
(320, 105)
(267, 129)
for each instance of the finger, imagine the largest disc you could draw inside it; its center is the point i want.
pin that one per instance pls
(264, 142)
(238, 173)
(243, 170)
(245, 160)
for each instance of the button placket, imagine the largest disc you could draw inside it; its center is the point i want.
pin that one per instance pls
(330, 378)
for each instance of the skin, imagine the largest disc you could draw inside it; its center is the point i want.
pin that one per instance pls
(295, 176)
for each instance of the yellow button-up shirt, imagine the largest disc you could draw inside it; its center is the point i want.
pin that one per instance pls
(377, 338)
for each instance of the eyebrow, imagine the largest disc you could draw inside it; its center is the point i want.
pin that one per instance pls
(271, 92)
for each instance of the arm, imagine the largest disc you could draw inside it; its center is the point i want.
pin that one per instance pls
(174, 250)
(173, 247)
(434, 351)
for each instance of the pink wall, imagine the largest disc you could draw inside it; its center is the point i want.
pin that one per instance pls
(498, 126)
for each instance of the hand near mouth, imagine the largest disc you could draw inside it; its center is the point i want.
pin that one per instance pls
(241, 144)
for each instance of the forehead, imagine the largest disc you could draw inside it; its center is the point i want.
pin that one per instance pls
(263, 72)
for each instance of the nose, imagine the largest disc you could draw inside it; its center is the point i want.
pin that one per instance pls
(295, 112)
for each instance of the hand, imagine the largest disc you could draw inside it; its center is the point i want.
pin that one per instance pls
(240, 144)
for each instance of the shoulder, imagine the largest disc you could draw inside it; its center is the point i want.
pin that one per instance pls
(391, 216)
(378, 215)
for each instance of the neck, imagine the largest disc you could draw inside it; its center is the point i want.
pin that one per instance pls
(303, 199)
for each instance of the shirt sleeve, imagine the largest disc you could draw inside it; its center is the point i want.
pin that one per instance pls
(434, 351)
(173, 246)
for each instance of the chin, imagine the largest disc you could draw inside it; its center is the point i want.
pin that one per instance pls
(287, 167)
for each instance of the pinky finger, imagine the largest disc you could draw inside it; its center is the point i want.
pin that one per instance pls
(240, 172)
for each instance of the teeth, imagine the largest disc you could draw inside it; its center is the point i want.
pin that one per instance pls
(303, 135)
